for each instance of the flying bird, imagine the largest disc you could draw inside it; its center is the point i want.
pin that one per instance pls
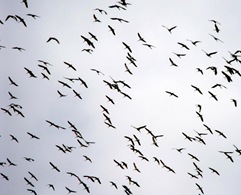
(53, 39)
(169, 29)
(12, 82)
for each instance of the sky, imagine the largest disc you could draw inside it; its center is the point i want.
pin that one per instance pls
(143, 110)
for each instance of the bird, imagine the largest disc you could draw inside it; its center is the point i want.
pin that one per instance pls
(12, 96)
(19, 48)
(219, 85)
(197, 89)
(172, 94)
(213, 68)
(44, 68)
(127, 47)
(33, 136)
(200, 188)
(148, 45)
(173, 63)
(110, 99)
(220, 133)
(4, 176)
(95, 18)
(64, 84)
(60, 94)
(21, 20)
(54, 167)
(12, 82)
(170, 29)
(139, 128)
(179, 149)
(14, 138)
(127, 69)
(216, 38)
(229, 79)
(28, 182)
(90, 43)
(33, 16)
(210, 54)
(111, 29)
(216, 28)
(193, 157)
(88, 50)
(93, 36)
(70, 66)
(117, 6)
(33, 176)
(194, 42)
(51, 186)
(214, 171)
(183, 45)
(113, 184)
(101, 11)
(31, 74)
(32, 191)
(179, 54)
(120, 20)
(77, 94)
(69, 190)
(208, 128)
(234, 102)
(97, 71)
(87, 158)
(44, 76)
(11, 163)
(25, 3)
(140, 38)
(6, 111)
(213, 96)
(192, 175)
(53, 39)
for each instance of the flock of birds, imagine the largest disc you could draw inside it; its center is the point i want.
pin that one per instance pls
(120, 87)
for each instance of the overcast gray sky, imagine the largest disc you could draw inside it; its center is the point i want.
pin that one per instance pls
(146, 104)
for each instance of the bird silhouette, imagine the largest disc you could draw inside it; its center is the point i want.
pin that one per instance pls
(120, 20)
(25, 3)
(214, 171)
(32, 191)
(169, 29)
(216, 38)
(19, 48)
(33, 16)
(213, 96)
(11, 163)
(12, 82)
(234, 102)
(173, 63)
(54, 167)
(101, 11)
(4, 176)
(111, 29)
(32, 136)
(199, 188)
(69, 190)
(210, 54)
(172, 94)
(95, 18)
(14, 138)
(53, 39)
(21, 20)
(183, 45)
(51, 186)
(31, 74)
(28, 182)
(197, 89)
